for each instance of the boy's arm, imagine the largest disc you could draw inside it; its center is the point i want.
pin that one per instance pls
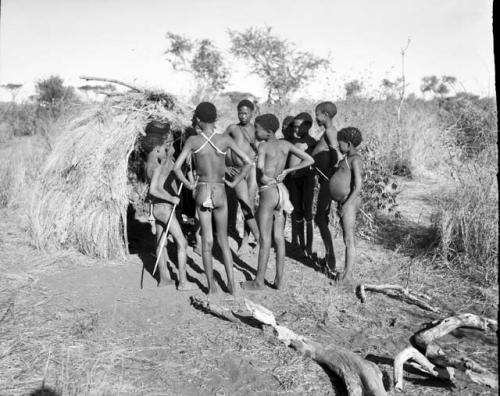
(156, 189)
(331, 137)
(248, 162)
(307, 160)
(356, 166)
(180, 161)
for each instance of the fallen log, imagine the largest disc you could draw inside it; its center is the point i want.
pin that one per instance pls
(424, 340)
(422, 364)
(114, 81)
(214, 308)
(360, 376)
(399, 292)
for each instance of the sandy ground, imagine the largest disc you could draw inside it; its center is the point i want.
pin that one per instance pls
(87, 326)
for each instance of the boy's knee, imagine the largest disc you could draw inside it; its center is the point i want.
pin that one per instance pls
(207, 242)
(183, 245)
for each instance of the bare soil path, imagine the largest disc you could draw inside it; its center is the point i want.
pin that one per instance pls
(87, 326)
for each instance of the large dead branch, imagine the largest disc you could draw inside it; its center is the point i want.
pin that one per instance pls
(360, 376)
(214, 308)
(425, 339)
(112, 80)
(398, 292)
(421, 363)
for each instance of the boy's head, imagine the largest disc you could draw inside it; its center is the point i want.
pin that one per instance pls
(348, 138)
(158, 139)
(325, 111)
(301, 124)
(205, 113)
(245, 111)
(265, 126)
(287, 127)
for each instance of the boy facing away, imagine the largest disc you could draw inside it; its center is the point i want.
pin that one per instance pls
(273, 196)
(159, 150)
(208, 150)
(345, 188)
(243, 134)
(326, 157)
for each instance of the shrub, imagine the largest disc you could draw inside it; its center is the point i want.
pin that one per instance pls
(467, 220)
(472, 121)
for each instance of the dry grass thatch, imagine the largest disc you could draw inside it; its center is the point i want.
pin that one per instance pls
(82, 195)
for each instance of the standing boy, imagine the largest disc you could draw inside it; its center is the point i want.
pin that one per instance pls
(345, 188)
(273, 196)
(302, 186)
(159, 149)
(243, 134)
(325, 157)
(208, 150)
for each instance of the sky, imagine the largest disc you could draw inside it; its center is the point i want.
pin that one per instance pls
(125, 39)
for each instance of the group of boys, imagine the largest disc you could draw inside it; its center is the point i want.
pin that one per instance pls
(254, 161)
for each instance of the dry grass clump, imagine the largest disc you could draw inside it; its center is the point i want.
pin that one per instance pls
(20, 166)
(467, 220)
(82, 195)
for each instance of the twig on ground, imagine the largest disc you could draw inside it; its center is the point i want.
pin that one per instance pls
(399, 292)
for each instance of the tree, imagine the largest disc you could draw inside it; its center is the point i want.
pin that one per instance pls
(437, 86)
(391, 89)
(353, 88)
(13, 89)
(200, 58)
(52, 90)
(283, 68)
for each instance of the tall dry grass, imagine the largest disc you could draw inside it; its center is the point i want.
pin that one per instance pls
(467, 220)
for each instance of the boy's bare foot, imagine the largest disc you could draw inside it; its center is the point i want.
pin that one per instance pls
(213, 291)
(186, 286)
(166, 282)
(278, 285)
(252, 285)
(233, 290)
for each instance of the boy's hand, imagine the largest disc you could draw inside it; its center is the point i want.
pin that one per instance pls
(229, 184)
(191, 186)
(175, 200)
(281, 176)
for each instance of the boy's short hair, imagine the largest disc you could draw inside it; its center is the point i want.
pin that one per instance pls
(206, 112)
(152, 140)
(245, 103)
(161, 128)
(268, 121)
(287, 121)
(305, 117)
(350, 135)
(328, 108)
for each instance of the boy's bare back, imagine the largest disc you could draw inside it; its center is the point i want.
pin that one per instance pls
(209, 163)
(272, 160)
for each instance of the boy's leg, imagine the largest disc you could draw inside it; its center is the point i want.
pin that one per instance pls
(246, 204)
(207, 243)
(321, 218)
(279, 241)
(162, 213)
(268, 201)
(308, 197)
(348, 221)
(220, 217)
(180, 240)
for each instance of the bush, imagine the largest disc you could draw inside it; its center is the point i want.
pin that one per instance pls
(472, 121)
(467, 220)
